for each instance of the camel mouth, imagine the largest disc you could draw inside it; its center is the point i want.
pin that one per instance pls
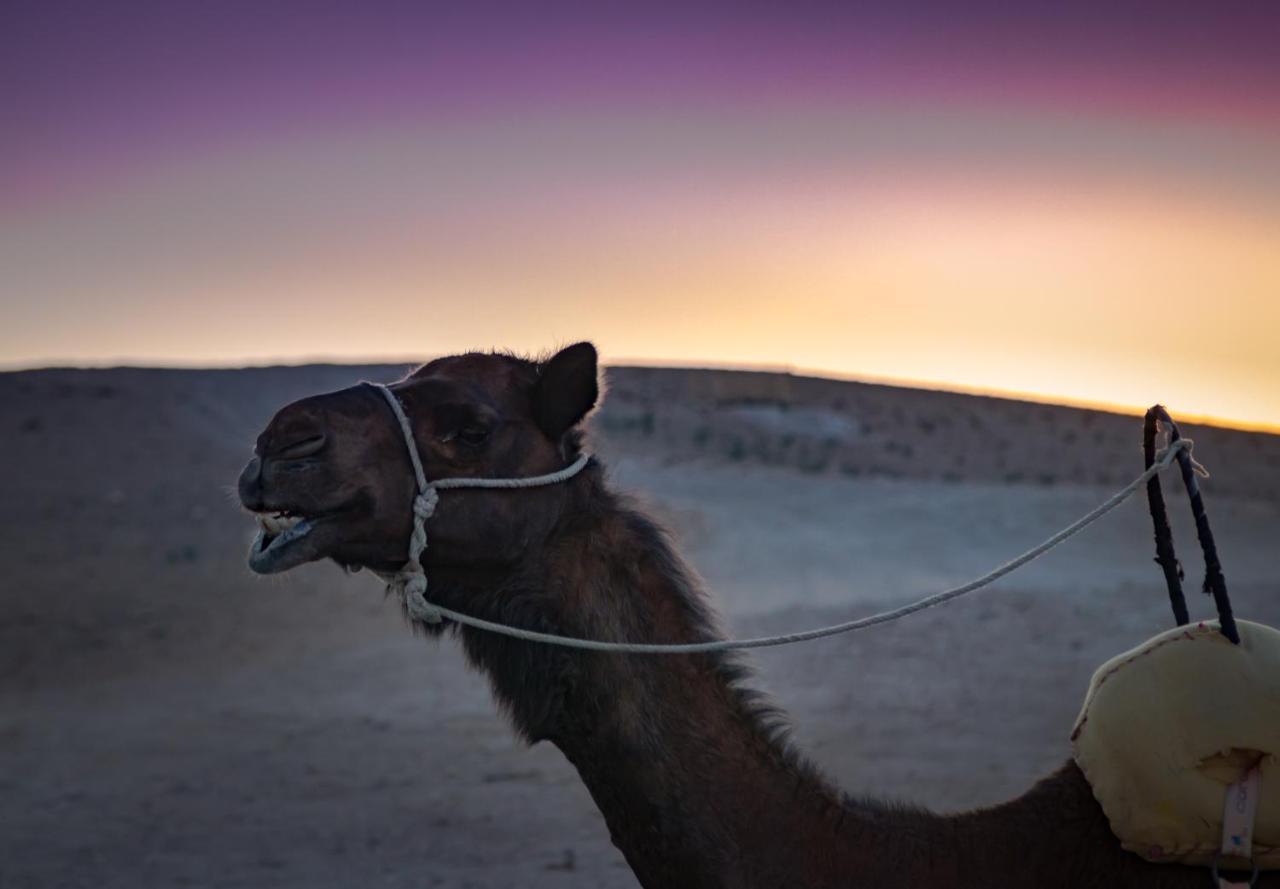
(283, 541)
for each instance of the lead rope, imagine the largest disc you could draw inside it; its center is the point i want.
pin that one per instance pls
(410, 582)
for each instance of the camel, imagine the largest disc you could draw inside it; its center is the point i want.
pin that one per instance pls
(690, 768)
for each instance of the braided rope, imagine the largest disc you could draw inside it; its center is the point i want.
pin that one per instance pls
(411, 581)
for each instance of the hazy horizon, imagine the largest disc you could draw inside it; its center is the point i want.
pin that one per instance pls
(624, 362)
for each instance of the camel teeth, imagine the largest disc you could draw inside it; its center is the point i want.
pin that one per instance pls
(276, 523)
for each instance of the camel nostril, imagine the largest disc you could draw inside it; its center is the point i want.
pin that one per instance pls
(250, 485)
(305, 447)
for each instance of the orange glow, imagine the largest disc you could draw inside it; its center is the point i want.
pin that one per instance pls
(1091, 284)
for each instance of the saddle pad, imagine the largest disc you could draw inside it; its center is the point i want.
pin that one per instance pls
(1166, 727)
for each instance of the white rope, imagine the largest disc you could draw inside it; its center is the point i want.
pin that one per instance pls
(419, 608)
(532, 481)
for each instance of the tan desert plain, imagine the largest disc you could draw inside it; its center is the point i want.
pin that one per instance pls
(169, 718)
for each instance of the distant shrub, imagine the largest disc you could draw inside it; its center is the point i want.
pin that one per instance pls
(901, 448)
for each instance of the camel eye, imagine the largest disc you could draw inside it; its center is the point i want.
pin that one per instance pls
(461, 423)
(473, 435)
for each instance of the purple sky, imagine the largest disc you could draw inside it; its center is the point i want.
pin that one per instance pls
(92, 89)
(997, 196)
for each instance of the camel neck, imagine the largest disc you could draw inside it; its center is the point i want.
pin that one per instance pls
(691, 770)
(689, 767)
(691, 812)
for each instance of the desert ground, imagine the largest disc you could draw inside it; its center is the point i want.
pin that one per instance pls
(169, 719)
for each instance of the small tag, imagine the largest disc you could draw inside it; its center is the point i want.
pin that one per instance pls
(1239, 814)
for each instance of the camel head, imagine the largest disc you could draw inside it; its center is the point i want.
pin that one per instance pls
(331, 477)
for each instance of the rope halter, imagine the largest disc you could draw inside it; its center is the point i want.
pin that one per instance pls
(410, 582)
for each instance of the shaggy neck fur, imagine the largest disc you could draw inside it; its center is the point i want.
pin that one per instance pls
(692, 770)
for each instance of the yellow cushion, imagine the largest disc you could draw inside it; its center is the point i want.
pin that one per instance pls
(1168, 726)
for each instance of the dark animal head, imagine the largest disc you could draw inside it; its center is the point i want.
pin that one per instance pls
(331, 478)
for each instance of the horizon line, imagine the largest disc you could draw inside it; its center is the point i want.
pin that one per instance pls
(921, 384)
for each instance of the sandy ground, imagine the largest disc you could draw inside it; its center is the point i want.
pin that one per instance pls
(167, 719)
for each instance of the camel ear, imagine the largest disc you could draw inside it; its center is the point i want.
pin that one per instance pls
(567, 389)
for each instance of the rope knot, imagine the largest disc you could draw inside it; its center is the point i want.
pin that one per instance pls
(1196, 466)
(414, 590)
(424, 505)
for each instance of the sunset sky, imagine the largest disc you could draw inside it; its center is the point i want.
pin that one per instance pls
(1046, 198)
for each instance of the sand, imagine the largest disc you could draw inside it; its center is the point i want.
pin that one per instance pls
(169, 719)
